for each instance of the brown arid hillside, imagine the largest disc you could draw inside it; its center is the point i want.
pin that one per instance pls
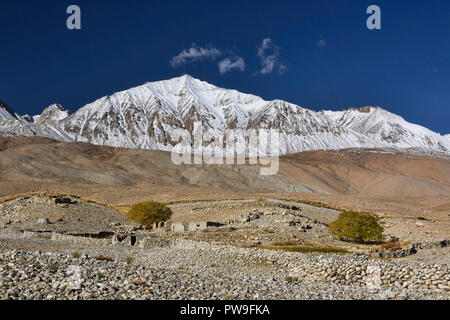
(384, 182)
(371, 173)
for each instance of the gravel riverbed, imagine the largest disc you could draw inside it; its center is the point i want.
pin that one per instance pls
(184, 269)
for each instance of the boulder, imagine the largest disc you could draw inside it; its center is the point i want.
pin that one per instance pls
(43, 221)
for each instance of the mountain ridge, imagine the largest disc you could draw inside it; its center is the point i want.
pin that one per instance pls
(385, 126)
(6, 112)
(147, 116)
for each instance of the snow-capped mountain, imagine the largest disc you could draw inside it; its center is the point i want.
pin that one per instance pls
(389, 128)
(147, 117)
(12, 124)
(52, 114)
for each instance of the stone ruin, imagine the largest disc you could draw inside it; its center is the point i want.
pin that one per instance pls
(130, 240)
(141, 241)
(162, 227)
(193, 226)
(169, 226)
(289, 218)
(398, 253)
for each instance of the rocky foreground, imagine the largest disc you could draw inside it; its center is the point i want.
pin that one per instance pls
(183, 269)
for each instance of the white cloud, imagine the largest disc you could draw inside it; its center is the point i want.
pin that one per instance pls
(269, 54)
(321, 43)
(193, 54)
(228, 64)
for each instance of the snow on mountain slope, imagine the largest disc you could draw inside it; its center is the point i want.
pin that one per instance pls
(21, 127)
(303, 129)
(12, 124)
(51, 114)
(146, 116)
(389, 128)
(149, 115)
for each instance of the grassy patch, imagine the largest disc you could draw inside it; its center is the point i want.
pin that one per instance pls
(306, 249)
(314, 204)
(393, 246)
(103, 258)
(53, 267)
(285, 243)
(291, 279)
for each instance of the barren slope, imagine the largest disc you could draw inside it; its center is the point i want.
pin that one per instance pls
(364, 180)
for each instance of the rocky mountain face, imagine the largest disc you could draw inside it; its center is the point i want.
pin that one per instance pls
(384, 126)
(12, 124)
(52, 114)
(6, 112)
(148, 116)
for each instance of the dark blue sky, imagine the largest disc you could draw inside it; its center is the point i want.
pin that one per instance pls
(405, 67)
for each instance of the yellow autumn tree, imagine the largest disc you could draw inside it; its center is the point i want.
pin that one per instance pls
(361, 227)
(148, 213)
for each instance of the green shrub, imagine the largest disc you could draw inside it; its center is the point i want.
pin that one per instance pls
(361, 227)
(148, 213)
(53, 266)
